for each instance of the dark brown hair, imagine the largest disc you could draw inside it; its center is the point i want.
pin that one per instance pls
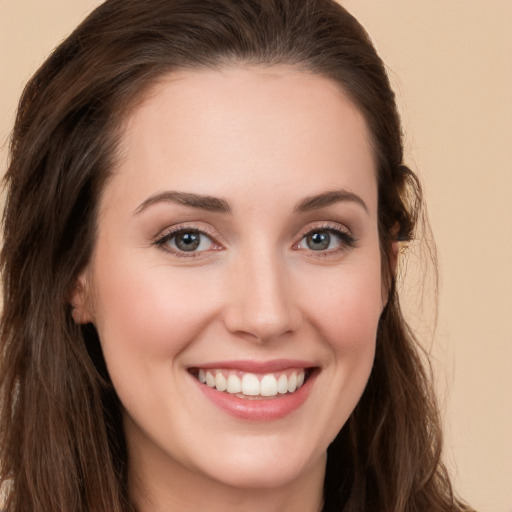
(61, 442)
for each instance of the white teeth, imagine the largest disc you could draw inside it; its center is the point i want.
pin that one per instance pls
(268, 386)
(292, 382)
(220, 382)
(234, 384)
(250, 384)
(282, 385)
(210, 380)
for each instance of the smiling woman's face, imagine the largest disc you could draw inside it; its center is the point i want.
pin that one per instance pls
(236, 279)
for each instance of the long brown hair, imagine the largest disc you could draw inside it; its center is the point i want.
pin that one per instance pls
(61, 441)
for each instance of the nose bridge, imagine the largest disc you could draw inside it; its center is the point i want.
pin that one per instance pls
(261, 302)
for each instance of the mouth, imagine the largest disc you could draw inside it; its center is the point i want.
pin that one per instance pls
(252, 385)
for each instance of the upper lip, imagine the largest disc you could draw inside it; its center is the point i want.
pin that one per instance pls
(252, 366)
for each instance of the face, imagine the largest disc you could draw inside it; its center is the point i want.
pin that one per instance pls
(236, 278)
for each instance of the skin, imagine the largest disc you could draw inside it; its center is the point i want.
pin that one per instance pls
(262, 140)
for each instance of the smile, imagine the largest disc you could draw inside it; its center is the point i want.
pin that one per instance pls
(256, 390)
(253, 386)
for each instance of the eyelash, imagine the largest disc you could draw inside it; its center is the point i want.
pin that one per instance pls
(163, 239)
(347, 241)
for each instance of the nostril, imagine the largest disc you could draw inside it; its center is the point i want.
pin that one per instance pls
(261, 326)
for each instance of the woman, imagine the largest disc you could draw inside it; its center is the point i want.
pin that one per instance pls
(205, 205)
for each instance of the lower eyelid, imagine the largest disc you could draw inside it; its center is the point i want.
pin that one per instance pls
(346, 240)
(163, 240)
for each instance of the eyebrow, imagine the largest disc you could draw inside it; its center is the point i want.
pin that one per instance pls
(209, 203)
(215, 204)
(327, 199)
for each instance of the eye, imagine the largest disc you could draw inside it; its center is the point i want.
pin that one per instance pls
(326, 240)
(186, 241)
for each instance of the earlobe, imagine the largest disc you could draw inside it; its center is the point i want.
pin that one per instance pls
(81, 310)
(394, 249)
(393, 256)
(391, 267)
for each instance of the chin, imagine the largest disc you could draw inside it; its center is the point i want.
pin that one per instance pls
(263, 462)
(264, 474)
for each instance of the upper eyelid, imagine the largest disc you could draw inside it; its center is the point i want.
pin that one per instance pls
(161, 240)
(348, 240)
(213, 234)
(170, 231)
(326, 226)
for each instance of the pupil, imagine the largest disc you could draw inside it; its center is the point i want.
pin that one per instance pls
(188, 241)
(318, 241)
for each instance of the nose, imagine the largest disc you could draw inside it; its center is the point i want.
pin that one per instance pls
(261, 303)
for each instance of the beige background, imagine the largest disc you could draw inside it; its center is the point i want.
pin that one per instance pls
(451, 64)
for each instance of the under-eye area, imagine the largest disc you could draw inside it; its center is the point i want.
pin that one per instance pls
(253, 386)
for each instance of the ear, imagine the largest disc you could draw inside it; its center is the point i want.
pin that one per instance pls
(393, 256)
(79, 298)
(392, 264)
(394, 249)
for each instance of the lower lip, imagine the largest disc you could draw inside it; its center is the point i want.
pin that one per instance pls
(266, 409)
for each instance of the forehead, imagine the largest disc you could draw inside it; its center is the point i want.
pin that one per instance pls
(203, 129)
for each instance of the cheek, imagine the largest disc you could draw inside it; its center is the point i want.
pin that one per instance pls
(346, 307)
(146, 311)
